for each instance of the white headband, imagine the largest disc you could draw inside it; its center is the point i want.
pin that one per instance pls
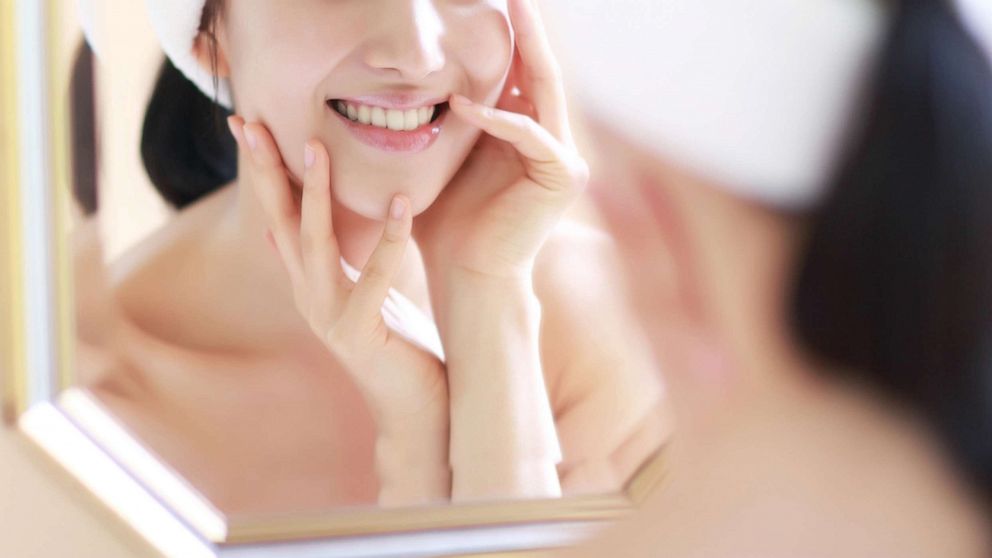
(177, 24)
(753, 94)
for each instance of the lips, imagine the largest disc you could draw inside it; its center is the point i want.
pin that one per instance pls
(396, 126)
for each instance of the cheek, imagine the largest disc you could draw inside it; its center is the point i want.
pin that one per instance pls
(280, 66)
(265, 100)
(484, 48)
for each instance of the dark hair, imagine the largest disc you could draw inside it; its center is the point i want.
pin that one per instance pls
(186, 148)
(895, 285)
(82, 118)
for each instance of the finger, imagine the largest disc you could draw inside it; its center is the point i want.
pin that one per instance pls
(319, 248)
(364, 306)
(541, 69)
(550, 164)
(270, 181)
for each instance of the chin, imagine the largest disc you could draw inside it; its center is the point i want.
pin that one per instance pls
(369, 181)
(422, 201)
(372, 205)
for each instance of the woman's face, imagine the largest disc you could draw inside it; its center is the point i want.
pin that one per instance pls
(368, 78)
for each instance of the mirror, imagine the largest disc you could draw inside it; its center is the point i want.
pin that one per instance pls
(158, 349)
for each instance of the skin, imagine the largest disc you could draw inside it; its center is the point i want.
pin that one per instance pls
(770, 454)
(240, 285)
(344, 49)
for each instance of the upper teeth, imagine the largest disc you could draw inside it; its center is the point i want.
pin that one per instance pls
(392, 119)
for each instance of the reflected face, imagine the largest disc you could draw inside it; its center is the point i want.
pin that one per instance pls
(370, 79)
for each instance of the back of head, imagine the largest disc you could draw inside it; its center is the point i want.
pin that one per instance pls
(185, 146)
(872, 118)
(896, 282)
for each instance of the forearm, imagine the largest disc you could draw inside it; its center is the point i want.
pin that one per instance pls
(411, 461)
(503, 440)
(411, 448)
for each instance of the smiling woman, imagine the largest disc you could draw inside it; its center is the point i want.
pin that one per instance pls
(485, 350)
(410, 56)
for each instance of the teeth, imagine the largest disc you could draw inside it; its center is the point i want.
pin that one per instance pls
(411, 120)
(392, 119)
(378, 117)
(395, 119)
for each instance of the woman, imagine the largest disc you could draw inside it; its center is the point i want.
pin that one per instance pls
(253, 361)
(820, 286)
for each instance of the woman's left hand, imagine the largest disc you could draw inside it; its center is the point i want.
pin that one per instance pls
(495, 215)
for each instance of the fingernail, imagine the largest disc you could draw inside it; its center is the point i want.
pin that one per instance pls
(250, 138)
(309, 156)
(461, 100)
(397, 209)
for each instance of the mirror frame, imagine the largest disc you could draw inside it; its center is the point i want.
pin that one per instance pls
(37, 333)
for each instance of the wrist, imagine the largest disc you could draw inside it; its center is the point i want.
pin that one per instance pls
(457, 265)
(411, 461)
(474, 310)
(405, 389)
(398, 413)
(457, 291)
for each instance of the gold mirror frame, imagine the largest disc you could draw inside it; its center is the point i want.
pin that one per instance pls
(37, 331)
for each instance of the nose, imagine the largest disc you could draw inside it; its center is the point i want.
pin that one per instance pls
(408, 41)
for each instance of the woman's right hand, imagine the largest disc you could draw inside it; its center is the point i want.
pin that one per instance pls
(405, 386)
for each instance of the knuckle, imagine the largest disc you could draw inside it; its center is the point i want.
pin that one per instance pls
(392, 236)
(549, 71)
(375, 273)
(528, 125)
(317, 322)
(346, 342)
(315, 191)
(338, 338)
(312, 239)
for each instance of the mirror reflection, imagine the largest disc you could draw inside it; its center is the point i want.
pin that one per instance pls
(341, 254)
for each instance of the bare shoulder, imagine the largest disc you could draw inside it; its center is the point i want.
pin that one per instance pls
(579, 271)
(580, 279)
(153, 278)
(171, 242)
(588, 323)
(604, 385)
(116, 300)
